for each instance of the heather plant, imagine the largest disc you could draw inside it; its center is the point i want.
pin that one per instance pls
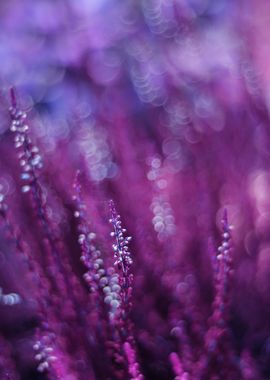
(150, 117)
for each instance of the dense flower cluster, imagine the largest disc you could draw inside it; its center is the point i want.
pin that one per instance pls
(146, 116)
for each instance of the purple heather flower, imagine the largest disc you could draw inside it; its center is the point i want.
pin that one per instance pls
(162, 106)
(177, 367)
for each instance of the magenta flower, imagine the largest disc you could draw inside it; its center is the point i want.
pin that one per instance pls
(162, 106)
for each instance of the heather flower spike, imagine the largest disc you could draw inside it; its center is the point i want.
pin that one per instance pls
(225, 264)
(218, 340)
(123, 261)
(121, 250)
(99, 281)
(180, 374)
(133, 366)
(29, 156)
(58, 279)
